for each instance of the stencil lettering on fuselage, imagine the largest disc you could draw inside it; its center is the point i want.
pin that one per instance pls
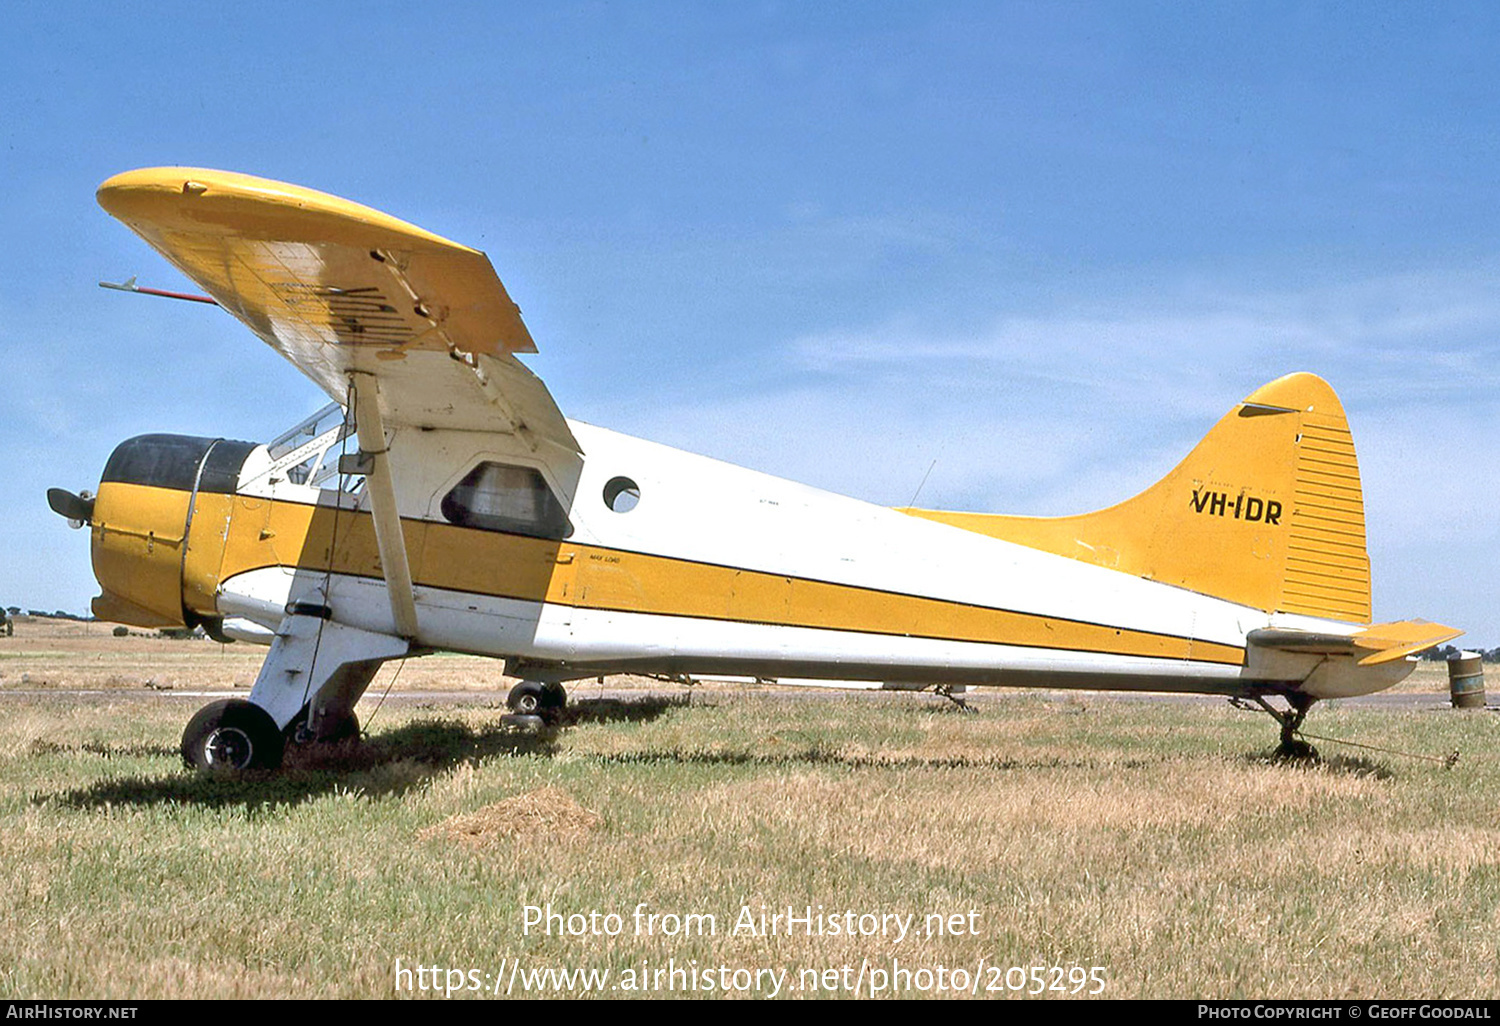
(1244, 506)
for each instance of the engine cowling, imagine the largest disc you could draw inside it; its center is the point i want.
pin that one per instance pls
(158, 527)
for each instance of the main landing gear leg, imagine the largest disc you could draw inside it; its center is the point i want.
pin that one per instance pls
(306, 690)
(1292, 748)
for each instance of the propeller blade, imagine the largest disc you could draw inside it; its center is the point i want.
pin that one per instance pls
(74, 507)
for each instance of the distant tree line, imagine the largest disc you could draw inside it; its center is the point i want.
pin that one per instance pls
(56, 614)
(1445, 652)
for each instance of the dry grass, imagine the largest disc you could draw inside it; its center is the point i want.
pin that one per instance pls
(546, 814)
(1152, 838)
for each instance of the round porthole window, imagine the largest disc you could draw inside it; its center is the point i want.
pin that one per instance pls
(621, 494)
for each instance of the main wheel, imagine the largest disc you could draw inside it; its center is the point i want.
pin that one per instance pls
(233, 735)
(525, 698)
(533, 698)
(346, 729)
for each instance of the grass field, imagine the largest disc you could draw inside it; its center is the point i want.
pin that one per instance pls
(1151, 838)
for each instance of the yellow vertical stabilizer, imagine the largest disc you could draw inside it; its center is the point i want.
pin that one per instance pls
(1266, 511)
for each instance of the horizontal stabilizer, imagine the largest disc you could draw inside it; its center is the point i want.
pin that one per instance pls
(1378, 643)
(1385, 642)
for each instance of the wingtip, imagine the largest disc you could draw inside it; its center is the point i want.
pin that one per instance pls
(193, 197)
(159, 180)
(156, 194)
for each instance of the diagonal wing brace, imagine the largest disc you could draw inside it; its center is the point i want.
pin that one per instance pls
(364, 396)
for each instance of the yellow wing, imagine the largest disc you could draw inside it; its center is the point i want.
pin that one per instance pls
(338, 288)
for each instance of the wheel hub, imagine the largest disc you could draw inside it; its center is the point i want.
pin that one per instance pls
(229, 746)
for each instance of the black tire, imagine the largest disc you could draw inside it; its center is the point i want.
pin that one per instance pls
(526, 698)
(234, 736)
(346, 729)
(533, 698)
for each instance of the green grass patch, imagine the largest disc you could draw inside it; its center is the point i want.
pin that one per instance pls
(1154, 839)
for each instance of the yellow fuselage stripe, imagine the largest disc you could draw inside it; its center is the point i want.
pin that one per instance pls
(264, 533)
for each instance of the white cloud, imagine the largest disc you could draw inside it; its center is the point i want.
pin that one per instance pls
(1423, 326)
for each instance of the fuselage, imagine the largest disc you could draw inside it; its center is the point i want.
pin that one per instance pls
(702, 568)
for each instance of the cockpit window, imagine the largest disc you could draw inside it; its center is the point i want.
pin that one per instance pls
(497, 497)
(308, 454)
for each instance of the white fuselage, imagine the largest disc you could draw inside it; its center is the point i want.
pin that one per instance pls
(895, 599)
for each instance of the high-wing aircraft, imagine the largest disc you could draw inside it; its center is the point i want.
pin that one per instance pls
(444, 502)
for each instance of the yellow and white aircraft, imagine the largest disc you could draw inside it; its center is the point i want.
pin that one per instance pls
(444, 502)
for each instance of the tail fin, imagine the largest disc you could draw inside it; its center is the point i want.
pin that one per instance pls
(1266, 511)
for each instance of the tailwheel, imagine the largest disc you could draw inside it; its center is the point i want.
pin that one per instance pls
(544, 700)
(233, 736)
(1292, 748)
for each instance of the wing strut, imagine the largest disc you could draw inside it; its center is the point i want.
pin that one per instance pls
(364, 396)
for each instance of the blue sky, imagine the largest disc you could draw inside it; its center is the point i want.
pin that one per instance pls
(1043, 245)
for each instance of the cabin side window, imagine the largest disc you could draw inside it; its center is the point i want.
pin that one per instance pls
(516, 500)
